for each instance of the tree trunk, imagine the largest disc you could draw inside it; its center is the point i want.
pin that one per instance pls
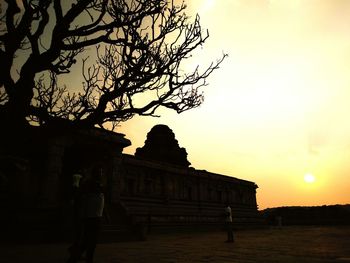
(14, 126)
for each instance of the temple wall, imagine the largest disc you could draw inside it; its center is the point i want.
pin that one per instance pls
(159, 194)
(35, 187)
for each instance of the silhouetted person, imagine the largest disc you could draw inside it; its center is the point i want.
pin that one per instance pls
(92, 210)
(228, 223)
(279, 221)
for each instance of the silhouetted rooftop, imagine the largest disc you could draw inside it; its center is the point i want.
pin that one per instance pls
(161, 145)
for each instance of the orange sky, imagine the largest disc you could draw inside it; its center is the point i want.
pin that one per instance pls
(278, 108)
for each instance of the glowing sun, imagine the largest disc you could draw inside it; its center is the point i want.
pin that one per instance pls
(309, 178)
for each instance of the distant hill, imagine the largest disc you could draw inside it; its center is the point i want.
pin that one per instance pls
(308, 215)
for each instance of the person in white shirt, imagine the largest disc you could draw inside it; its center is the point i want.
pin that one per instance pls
(228, 223)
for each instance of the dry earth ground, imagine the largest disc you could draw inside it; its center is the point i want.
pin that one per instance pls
(288, 244)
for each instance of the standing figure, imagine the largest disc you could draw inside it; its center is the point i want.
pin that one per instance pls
(92, 204)
(228, 224)
(76, 199)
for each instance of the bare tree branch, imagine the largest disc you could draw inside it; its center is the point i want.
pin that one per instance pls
(142, 47)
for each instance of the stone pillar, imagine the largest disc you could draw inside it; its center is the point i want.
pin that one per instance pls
(198, 190)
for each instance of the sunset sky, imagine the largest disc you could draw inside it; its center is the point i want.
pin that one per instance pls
(278, 109)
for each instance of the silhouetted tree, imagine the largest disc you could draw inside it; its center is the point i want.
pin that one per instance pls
(140, 46)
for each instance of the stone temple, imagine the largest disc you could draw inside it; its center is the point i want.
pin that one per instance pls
(155, 189)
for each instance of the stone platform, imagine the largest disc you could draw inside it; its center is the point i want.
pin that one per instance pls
(287, 244)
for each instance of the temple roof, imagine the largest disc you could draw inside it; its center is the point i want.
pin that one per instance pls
(162, 146)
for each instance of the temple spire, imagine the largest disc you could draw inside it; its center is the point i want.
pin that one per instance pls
(161, 145)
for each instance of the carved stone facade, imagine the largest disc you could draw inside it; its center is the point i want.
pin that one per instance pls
(159, 194)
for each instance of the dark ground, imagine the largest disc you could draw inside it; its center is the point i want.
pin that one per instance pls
(288, 244)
